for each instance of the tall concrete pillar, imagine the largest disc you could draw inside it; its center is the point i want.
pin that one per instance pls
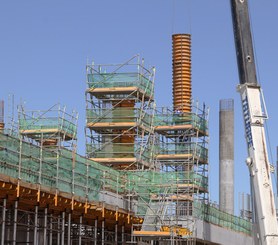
(226, 156)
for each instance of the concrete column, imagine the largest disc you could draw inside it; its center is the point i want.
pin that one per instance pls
(226, 156)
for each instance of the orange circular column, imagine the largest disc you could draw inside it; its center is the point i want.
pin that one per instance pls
(181, 72)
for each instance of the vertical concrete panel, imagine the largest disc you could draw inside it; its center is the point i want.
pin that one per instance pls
(226, 156)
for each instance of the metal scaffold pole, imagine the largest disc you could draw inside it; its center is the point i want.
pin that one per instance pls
(36, 226)
(15, 222)
(63, 229)
(69, 228)
(80, 231)
(3, 221)
(45, 227)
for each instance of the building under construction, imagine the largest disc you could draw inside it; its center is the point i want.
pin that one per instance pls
(144, 179)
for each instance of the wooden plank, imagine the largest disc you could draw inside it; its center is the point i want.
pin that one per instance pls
(102, 125)
(114, 160)
(174, 156)
(173, 127)
(151, 233)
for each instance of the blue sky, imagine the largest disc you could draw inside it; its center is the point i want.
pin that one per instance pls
(45, 46)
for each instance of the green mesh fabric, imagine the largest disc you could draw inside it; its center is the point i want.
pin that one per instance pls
(73, 173)
(112, 80)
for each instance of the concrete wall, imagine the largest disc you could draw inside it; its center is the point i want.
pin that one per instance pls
(213, 234)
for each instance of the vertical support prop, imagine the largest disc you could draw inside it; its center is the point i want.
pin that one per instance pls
(58, 230)
(69, 228)
(95, 232)
(50, 229)
(123, 234)
(36, 225)
(45, 227)
(102, 231)
(15, 222)
(116, 232)
(63, 229)
(28, 228)
(80, 231)
(3, 220)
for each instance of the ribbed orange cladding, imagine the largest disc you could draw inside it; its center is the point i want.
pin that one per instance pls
(181, 72)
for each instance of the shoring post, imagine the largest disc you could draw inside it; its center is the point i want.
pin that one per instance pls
(15, 222)
(123, 234)
(58, 231)
(116, 225)
(95, 232)
(63, 229)
(36, 225)
(50, 229)
(3, 220)
(28, 228)
(45, 227)
(69, 227)
(80, 231)
(116, 232)
(102, 231)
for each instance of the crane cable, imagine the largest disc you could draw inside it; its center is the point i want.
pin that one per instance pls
(187, 20)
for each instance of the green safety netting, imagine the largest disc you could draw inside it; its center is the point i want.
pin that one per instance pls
(58, 123)
(215, 216)
(63, 170)
(118, 150)
(87, 178)
(175, 118)
(119, 114)
(112, 80)
(194, 148)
